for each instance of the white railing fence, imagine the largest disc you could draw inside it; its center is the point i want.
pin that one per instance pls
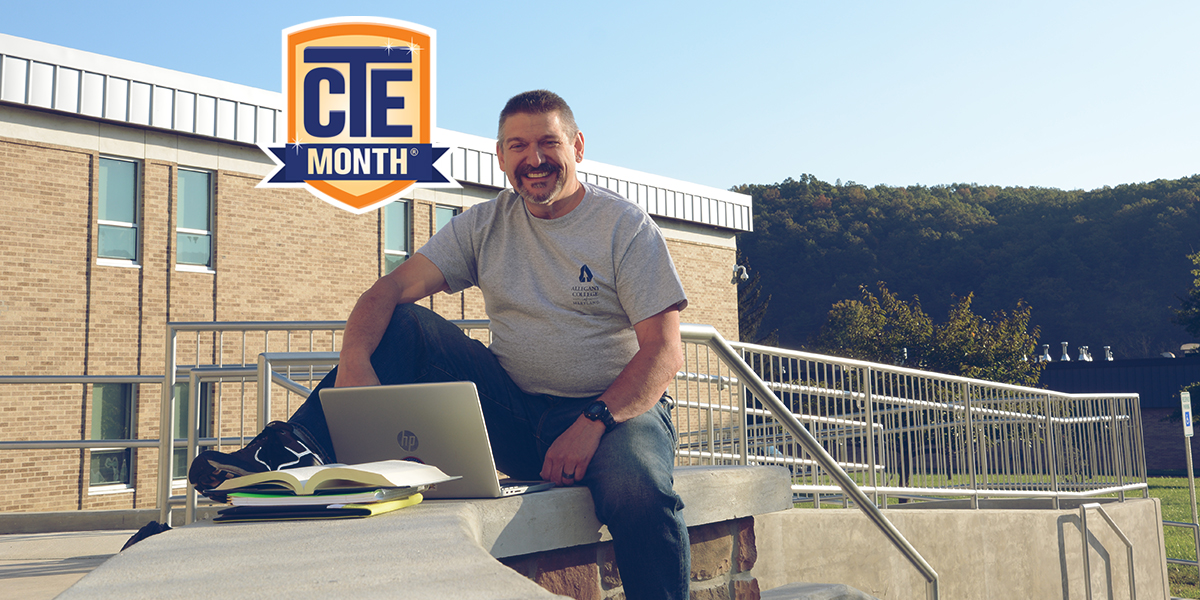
(907, 434)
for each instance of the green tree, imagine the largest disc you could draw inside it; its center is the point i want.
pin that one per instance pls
(1188, 314)
(886, 329)
(1102, 266)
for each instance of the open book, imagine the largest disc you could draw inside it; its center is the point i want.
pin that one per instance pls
(338, 478)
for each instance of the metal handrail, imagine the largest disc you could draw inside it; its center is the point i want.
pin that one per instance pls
(1195, 534)
(978, 409)
(1087, 557)
(708, 335)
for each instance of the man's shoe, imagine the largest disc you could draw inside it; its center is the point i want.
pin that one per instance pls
(280, 446)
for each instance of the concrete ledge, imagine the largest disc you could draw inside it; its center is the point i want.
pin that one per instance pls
(564, 517)
(436, 549)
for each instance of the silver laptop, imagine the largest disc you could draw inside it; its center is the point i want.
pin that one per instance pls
(440, 424)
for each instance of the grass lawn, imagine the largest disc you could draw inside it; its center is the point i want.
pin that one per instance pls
(1172, 492)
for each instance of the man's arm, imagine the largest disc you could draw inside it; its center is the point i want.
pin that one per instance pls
(639, 386)
(414, 279)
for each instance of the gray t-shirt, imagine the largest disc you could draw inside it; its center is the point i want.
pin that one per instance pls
(562, 294)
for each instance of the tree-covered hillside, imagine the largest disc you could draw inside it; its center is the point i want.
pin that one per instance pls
(1101, 267)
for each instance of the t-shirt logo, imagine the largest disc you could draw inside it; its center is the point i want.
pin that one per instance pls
(585, 295)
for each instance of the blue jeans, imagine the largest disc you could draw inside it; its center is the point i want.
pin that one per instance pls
(630, 475)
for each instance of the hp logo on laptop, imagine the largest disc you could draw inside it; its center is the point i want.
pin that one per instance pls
(407, 440)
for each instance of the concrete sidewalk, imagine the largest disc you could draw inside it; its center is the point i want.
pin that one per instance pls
(38, 566)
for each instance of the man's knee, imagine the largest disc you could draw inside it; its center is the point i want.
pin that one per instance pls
(408, 315)
(634, 476)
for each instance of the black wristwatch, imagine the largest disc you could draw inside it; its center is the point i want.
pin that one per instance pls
(598, 411)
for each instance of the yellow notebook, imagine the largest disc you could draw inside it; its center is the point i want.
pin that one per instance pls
(299, 513)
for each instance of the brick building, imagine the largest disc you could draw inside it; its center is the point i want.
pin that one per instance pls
(1157, 382)
(128, 200)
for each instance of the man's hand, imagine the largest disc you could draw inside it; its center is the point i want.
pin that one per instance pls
(568, 457)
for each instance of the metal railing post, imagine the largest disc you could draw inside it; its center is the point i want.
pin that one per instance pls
(165, 435)
(743, 416)
(194, 389)
(1052, 451)
(264, 392)
(1118, 455)
(972, 442)
(869, 399)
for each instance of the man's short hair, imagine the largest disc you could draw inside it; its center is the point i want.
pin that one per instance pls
(538, 102)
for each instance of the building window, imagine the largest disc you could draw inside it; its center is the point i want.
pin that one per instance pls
(395, 235)
(112, 419)
(179, 456)
(117, 216)
(441, 216)
(193, 230)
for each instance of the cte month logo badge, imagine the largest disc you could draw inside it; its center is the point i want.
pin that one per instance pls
(359, 112)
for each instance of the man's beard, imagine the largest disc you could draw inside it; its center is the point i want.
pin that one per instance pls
(541, 197)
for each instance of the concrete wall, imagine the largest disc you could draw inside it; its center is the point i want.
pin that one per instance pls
(978, 554)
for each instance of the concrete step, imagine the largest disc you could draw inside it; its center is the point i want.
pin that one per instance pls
(815, 591)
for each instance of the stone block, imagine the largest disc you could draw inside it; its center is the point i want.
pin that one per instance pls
(610, 575)
(712, 550)
(747, 552)
(746, 589)
(714, 592)
(570, 572)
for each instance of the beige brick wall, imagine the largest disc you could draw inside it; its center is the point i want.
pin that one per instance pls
(705, 270)
(44, 258)
(279, 254)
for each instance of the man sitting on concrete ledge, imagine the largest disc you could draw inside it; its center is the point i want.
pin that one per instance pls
(584, 304)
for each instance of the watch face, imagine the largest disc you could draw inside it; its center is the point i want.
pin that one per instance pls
(598, 411)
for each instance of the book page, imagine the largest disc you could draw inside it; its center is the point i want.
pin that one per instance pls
(306, 480)
(294, 479)
(384, 473)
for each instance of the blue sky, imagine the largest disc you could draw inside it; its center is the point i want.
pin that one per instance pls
(1072, 95)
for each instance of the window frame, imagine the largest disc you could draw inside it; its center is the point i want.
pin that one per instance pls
(208, 267)
(129, 396)
(406, 252)
(454, 212)
(135, 225)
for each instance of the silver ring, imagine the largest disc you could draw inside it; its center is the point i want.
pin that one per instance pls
(570, 476)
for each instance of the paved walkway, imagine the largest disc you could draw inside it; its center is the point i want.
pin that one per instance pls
(38, 566)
